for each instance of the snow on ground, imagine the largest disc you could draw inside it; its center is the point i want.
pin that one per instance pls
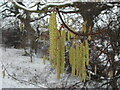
(30, 75)
(20, 67)
(21, 73)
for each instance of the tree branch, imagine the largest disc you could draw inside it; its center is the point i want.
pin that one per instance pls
(3, 4)
(38, 18)
(76, 33)
(65, 12)
(111, 80)
(44, 7)
(101, 52)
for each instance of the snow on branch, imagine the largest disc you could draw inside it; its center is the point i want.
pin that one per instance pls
(44, 7)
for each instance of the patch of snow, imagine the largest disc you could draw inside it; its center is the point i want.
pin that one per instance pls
(30, 75)
(21, 68)
(8, 83)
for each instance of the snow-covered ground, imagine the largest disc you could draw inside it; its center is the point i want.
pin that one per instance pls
(21, 73)
(21, 68)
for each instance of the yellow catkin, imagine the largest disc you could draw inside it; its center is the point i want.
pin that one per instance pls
(57, 46)
(44, 42)
(69, 35)
(66, 47)
(89, 30)
(44, 59)
(47, 20)
(58, 67)
(86, 52)
(89, 37)
(20, 27)
(3, 73)
(53, 39)
(89, 77)
(60, 53)
(84, 27)
(63, 35)
(71, 55)
(62, 49)
(73, 62)
(95, 71)
(80, 61)
(84, 74)
(83, 65)
(77, 57)
(111, 73)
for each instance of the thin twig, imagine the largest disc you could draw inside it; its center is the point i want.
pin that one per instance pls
(76, 33)
(101, 52)
(111, 80)
(3, 4)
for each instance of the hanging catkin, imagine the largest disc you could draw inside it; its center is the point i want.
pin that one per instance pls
(89, 77)
(84, 27)
(80, 61)
(95, 69)
(58, 67)
(86, 52)
(44, 42)
(71, 55)
(78, 54)
(77, 57)
(3, 73)
(60, 53)
(62, 49)
(83, 65)
(111, 73)
(53, 39)
(21, 27)
(66, 47)
(69, 36)
(57, 48)
(73, 62)
(89, 36)
(44, 59)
